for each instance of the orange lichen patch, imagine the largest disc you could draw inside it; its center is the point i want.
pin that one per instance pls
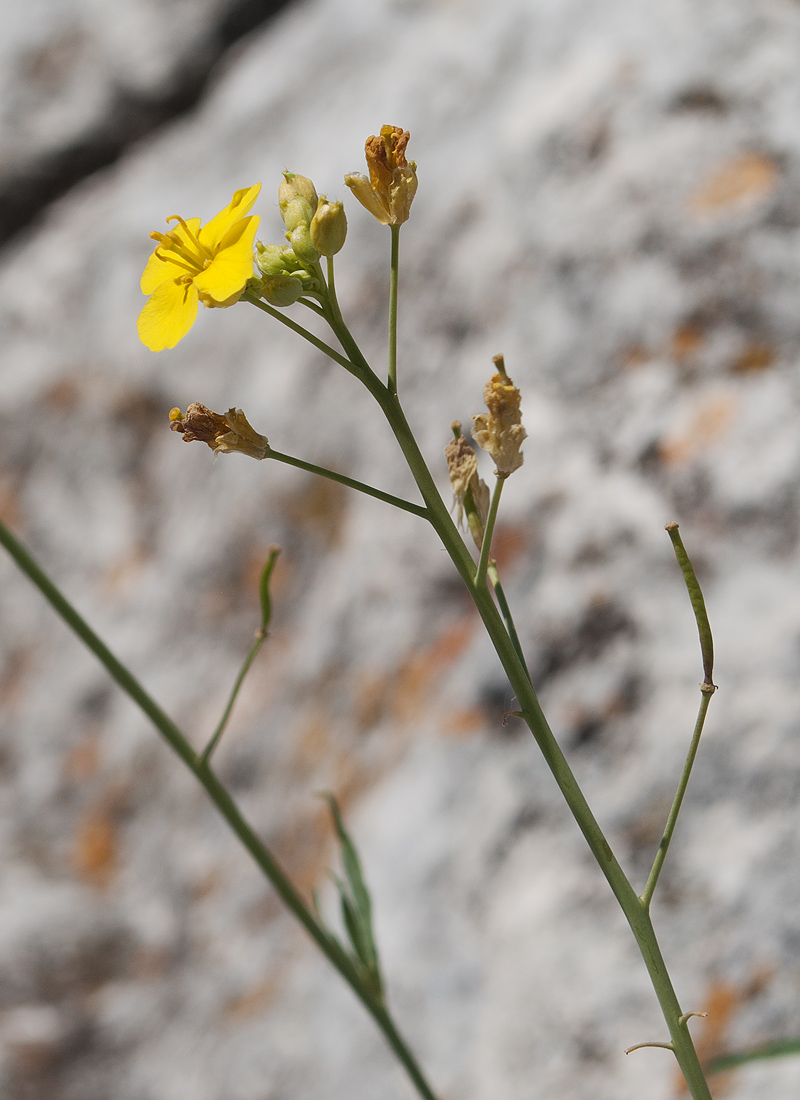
(149, 962)
(686, 341)
(303, 846)
(710, 422)
(312, 742)
(460, 723)
(62, 394)
(319, 508)
(255, 1000)
(510, 540)
(634, 356)
(125, 570)
(10, 505)
(83, 759)
(413, 680)
(738, 184)
(207, 884)
(371, 694)
(755, 357)
(13, 676)
(95, 852)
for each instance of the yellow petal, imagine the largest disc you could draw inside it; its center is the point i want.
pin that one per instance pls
(212, 233)
(168, 314)
(224, 279)
(369, 199)
(158, 270)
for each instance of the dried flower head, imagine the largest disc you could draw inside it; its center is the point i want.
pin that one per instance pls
(500, 432)
(392, 183)
(226, 434)
(471, 493)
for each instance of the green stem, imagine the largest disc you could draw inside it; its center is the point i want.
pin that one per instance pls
(488, 531)
(320, 345)
(395, 269)
(258, 641)
(223, 802)
(663, 848)
(636, 914)
(351, 483)
(505, 611)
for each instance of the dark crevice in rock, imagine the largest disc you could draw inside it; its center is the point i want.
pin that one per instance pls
(128, 117)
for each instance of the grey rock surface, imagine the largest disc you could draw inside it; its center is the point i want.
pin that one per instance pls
(610, 194)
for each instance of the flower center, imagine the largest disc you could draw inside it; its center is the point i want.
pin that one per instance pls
(194, 256)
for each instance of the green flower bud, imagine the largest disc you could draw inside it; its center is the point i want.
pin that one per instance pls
(281, 290)
(300, 239)
(297, 199)
(328, 227)
(270, 259)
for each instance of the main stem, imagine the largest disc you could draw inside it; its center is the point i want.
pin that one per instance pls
(635, 912)
(223, 802)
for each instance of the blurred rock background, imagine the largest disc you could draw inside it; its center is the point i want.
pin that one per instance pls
(610, 194)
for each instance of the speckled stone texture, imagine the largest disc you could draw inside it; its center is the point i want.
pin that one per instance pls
(610, 195)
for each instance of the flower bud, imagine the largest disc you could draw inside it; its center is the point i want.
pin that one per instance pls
(328, 227)
(281, 290)
(297, 199)
(300, 240)
(270, 258)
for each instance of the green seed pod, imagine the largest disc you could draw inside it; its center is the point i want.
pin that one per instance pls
(328, 227)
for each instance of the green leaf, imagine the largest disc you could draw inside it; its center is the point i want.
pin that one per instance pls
(356, 904)
(778, 1048)
(263, 587)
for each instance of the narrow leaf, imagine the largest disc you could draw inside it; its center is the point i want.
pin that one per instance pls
(263, 587)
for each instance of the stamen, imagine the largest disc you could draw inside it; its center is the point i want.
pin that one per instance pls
(192, 237)
(171, 260)
(173, 242)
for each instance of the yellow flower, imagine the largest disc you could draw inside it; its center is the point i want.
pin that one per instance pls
(209, 263)
(392, 183)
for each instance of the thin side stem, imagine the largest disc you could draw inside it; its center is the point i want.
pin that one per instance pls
(258, 641)
(672, 820)
(351, 483)
(505, 611)
(320, 345)
(223, 802)
(488, 531)
(395, 275)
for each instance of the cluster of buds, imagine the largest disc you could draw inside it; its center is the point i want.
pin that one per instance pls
(314, 227)
(392, 183)
(228, 434)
